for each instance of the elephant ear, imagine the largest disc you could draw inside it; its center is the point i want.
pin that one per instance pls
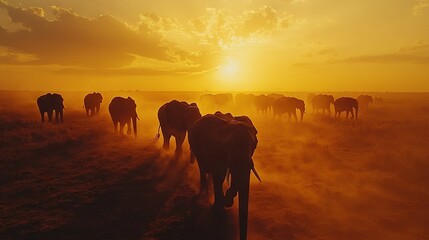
(239, 135)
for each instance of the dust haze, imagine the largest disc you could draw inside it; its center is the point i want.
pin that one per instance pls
(323, 178)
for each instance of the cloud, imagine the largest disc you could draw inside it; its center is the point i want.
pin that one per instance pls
(386, 58)
(417, 54)
(67, 39)
(217, 27)
(72, 40)
(419, 7)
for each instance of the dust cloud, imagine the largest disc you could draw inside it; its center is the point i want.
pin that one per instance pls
(324, 178)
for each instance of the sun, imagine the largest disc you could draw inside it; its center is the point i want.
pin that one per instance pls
(230, 69)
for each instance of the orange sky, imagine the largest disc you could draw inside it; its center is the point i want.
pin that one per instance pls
(271, 45)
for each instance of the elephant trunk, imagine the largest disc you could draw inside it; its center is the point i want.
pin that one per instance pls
(243, 203)
(135, 125)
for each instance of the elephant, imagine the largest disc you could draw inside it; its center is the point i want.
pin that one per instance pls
(323, 102)
(175, 119)
(263, 103)
(216, 100)
(245, 101)
(123, 110)
(50, 102)
(288, 105)
(364, 101)
(346, 104)
(310, 97)
(224, 146)
(275, 95)
(92, 102)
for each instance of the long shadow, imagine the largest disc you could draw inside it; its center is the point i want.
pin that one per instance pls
(124, 211)
(128, 209)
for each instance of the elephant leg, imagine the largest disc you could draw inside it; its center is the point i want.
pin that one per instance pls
(192, 156)
(115, 126)
(217, 189)
(294, 116)
(167, 135)
(231, 193)
(347, 114)
(43, 116)
(61, 116)
(87, 112)
(50, 116)
(203, 179)
(121, 127)
(180, 138)
(353, 115)
(129, 127)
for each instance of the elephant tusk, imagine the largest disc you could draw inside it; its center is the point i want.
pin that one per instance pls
(138, 118)
(256, 174)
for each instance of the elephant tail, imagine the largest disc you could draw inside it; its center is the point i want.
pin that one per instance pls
(157, 135)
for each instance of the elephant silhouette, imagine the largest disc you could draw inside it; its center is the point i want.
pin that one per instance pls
(48, 104)
(245, 101)
(92, 103)
(123, 110)
(222, 146)
(288, 105)
(216, 100)
(346, 104)
(263, 103)
(364, 101)
(175, 119)
(322, 102)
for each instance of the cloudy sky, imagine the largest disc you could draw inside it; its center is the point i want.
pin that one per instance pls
(265, 45)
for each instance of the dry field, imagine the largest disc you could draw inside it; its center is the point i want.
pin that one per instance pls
(325, 178)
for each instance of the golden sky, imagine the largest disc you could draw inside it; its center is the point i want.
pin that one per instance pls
(247, 45)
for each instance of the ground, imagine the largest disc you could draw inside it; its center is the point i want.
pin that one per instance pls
(325, 178)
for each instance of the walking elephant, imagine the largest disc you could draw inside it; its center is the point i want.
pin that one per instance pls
(48, 104)
(288, 105)
(123, 110)
(346, 104)
(92, 102)
(322, 102)
(223, 144)
(175, 119)
(263, 103)
(364, 101)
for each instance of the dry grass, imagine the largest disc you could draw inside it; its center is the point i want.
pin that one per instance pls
(323, 179)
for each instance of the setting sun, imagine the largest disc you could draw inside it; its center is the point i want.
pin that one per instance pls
(229, 71)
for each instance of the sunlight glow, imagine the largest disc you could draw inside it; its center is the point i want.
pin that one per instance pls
(229, 70)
